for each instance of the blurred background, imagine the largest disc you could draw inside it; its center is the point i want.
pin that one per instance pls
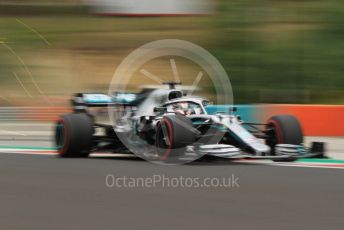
(275, 51)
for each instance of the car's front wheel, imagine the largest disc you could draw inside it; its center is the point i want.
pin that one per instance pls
(283, 129)
(173, 134)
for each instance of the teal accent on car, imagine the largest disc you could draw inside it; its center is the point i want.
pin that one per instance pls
(248, 113)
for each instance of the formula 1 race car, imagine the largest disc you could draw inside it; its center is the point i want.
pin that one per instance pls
(169, 125)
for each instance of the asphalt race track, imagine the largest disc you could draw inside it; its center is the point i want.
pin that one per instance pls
(42, 191)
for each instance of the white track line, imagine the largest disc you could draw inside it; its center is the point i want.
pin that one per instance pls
(328, 165)
(303, 165)
(53, 152)
(3, 131)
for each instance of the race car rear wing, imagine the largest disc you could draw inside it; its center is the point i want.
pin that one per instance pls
(81, 101)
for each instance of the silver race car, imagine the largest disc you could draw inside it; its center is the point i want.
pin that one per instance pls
(167, 124)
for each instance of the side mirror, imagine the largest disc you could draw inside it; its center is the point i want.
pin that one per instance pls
(159, 109)
(232, 110)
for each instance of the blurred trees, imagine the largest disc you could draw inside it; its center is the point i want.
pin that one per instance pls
(275, 51)
(283, 51)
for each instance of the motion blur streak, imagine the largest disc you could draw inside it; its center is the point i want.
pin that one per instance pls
(254, 40)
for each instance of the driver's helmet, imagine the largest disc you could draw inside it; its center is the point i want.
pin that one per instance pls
(182, 108)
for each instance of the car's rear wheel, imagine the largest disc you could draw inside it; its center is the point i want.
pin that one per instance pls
(173, 134)
(74, 135)
(284, 129)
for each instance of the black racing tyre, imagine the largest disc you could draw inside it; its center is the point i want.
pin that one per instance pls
(74, 135)
(180, 132)
(284, 129)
